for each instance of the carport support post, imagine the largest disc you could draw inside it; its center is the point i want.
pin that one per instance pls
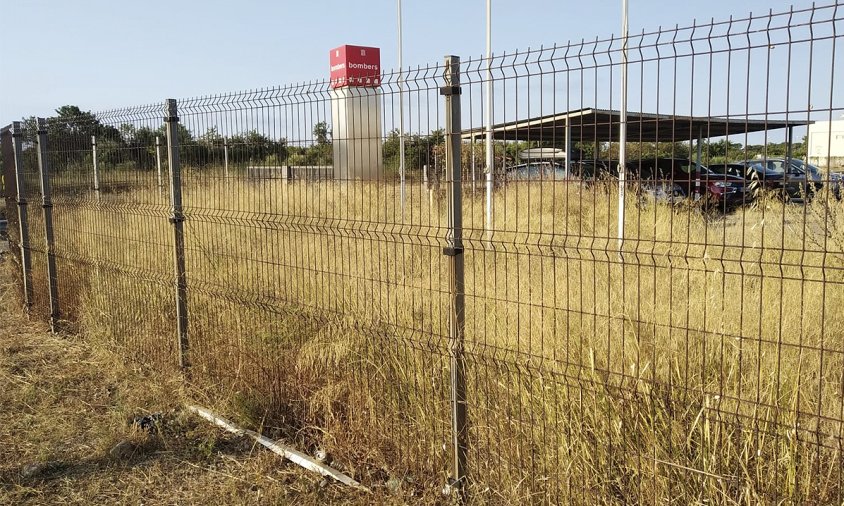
(622, 129)
(178, 221)
(23, 222)
(490, 157)
(47, 206)
(96, 166)
(789, 142)
(699, 157)
(454, 250)
(568, 147)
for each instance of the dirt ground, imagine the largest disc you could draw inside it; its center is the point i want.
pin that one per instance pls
(70, 432)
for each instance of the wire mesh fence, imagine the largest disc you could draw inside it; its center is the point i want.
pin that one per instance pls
(355, 282)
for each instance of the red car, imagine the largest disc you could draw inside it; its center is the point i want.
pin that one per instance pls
(685, 179)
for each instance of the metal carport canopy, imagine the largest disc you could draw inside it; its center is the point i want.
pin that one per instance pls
(601, 125)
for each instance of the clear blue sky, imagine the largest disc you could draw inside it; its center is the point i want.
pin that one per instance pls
(106, 53)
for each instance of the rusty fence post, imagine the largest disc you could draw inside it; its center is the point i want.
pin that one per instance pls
(23, 220)
(47, 206)
(178, 220)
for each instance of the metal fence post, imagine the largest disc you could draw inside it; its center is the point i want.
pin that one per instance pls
(23, 221)
(178, 221)
(454, 250)
(96, 166)
(47, 206)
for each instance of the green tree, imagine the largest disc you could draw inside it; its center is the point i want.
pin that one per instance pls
(254, 147)
(69, 136)
(211, 137)
(419, 151)
(322, 134)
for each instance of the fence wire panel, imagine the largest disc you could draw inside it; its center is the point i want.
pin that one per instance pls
(317, 298)
(31, 194)
(664, 328)
(10, 211)
(112, 246)
(700, 358)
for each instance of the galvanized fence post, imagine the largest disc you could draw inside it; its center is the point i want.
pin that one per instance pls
(96, 166)
(47, 206)
(23, 220)
(454, 250)
(178, 221)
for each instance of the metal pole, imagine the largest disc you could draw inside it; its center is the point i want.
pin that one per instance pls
(178, 221)
(474, 174)
(96, 166)
(401, 116)
(158, 163)
(490, 159)
(226, 156)
(97, 196)
(568, 147)
(23, 222)
(699, 158)
(428, 182)
(47, 206)
(789, 143)
(454, 250)
(622, 128)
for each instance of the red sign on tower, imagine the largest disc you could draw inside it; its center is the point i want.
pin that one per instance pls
(355, 66)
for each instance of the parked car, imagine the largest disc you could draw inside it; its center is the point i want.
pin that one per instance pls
(794, 181)
(592, 169)
(835, 180)
(546, 171)
(662, 191)
(673, 178)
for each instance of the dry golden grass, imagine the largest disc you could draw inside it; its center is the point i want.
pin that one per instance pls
(66, 404)
(707, 366)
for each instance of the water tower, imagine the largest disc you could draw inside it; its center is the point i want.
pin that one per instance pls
(356, 112)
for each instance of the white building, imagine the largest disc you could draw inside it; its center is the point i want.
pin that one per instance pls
(826, 143)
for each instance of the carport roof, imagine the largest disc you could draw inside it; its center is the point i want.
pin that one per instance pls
(601, 125)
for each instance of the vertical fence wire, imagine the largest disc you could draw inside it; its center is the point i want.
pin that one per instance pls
(16, 210)
(47, 213)
(704, 364)
(680, 371)
(35, 246)
(111, 247)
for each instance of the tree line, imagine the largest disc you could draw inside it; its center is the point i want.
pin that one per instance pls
(130, 146)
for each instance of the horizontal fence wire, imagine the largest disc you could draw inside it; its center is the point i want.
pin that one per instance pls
(309, 291)
(10, 202)
(110, 213)
(31, 194)
(693, 354)
(675, 365)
